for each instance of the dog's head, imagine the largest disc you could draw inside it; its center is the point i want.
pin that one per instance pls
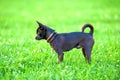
(41, 32)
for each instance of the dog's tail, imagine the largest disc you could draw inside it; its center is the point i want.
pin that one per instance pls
(91, 28)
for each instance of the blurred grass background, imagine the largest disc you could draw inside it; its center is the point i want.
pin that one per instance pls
(21, 57)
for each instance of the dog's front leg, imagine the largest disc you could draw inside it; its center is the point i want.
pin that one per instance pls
(60, 54)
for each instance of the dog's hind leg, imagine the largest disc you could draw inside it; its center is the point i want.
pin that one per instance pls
(87, 52)
(83, 50)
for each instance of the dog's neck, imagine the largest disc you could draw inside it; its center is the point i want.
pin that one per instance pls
(51, 37)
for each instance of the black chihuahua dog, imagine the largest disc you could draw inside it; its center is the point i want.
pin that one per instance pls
(67, 41)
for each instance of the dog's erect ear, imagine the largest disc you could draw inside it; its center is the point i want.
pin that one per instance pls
(40, 25)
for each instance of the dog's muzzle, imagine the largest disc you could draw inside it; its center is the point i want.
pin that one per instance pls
(37, 38)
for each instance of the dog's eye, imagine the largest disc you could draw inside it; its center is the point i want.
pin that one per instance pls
(40, 34)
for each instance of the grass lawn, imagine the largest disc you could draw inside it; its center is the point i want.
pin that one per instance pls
(24, 58)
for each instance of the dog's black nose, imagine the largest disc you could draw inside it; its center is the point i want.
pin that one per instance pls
(36, 38)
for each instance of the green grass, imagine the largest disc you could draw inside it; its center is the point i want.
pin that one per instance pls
(24, 58)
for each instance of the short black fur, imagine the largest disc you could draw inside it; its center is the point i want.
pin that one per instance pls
(67, 41)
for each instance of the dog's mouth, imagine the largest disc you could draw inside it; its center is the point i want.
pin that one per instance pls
(38, 38)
